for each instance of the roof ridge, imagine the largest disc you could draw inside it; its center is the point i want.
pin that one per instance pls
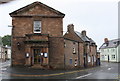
(114, 39)
(33, 4)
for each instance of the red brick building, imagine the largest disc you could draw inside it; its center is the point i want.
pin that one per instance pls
(79, 48)
(37, 36)
(38, 41)
(73, 48)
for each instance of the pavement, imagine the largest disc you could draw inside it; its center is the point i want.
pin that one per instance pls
(103, 72)
(26, 71)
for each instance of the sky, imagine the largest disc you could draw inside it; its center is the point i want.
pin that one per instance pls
(98, 17)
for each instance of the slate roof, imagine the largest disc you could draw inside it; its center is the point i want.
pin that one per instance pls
(111, 44)
(85, 38)
(37, 3)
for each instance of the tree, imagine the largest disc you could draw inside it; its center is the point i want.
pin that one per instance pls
(6, 40)
(1, 41)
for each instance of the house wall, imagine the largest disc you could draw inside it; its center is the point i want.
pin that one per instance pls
(93, 55)
(71, 56)
(108, 52)
(0, 52)
(5, 53)
(118, 53)
(86, 54)
(53, 26)
(18, 51)
(38, 9)
(9, 53)
(70, 37)
(81, 54)
(56, 52)
(24, 25)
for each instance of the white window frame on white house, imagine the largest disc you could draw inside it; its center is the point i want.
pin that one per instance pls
(103, 57)
(37, 26)
(113, 57)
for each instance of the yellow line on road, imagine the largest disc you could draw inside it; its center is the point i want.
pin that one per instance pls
(117, 78)
(25, 75)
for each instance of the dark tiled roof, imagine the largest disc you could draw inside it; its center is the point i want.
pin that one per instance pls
(85, 38)
(111, 44)
(92, 41)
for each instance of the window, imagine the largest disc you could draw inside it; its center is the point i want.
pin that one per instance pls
(113, 56)
(73, 42)
(102, 50)
(64, 44)
(46, 55)
(115, 42)
(108, 50)
(102, 56)
(113, 50)
(74, 51)
(94, 59)
(89, 58)
(5, 52)
(70, 61)
(37, 26)
(88, 47)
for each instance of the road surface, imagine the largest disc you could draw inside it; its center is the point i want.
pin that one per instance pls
(107, 71)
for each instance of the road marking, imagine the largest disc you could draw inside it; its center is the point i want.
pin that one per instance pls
(109, 68)
(118, 77)
(56, 74)
(3, 69)
(5, 65)
(83, 76)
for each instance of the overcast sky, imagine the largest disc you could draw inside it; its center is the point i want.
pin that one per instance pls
(98, 17)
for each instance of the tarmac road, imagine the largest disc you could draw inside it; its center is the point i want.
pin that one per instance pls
(107, 72)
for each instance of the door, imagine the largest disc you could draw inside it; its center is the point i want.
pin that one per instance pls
(37, 56)
(84, 62)
(108, 58)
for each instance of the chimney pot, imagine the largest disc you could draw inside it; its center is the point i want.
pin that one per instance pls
(84, 33)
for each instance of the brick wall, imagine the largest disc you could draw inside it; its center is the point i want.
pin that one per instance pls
(70, 55)
(56, 53)
(51, 25)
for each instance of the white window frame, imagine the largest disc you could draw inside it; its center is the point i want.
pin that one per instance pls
(94, 58)
(103, 57)
(39, 25)
(74, 50)
(113, 56)
(89, 58)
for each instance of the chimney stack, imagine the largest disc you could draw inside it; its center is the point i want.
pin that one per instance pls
(70, 28)
(83, 33)
(106, 40)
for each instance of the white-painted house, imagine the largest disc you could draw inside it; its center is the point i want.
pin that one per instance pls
(5, 53)
(110, 50)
